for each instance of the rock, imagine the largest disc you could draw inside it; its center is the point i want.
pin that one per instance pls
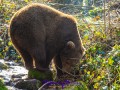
(40, 75)
(7, 80)
(31, 84)
(8, 83)
(17, 76)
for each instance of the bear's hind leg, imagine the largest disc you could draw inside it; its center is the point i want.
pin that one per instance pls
(28, 61)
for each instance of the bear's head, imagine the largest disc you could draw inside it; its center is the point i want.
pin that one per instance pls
(72, 47)
(71, 55)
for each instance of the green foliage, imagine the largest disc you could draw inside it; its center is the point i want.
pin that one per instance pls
(101, 66)
(95, 12)
(2, 86)
(6, 49)
(78, 85)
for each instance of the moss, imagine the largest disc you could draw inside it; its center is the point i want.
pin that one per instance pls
(40, 75)
(2, 86)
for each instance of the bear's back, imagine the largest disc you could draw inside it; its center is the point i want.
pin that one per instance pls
(36, 11)
(37, 23)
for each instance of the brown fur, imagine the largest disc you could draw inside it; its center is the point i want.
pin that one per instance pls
(40, 33)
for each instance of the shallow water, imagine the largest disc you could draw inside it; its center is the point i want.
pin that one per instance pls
(11, 75)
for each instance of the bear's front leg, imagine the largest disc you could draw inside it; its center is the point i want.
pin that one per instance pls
(39, 56)
(28, 60)
(41, 70)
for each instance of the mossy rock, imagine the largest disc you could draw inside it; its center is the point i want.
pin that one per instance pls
(31, 84)
(2, 86)
(40, 75)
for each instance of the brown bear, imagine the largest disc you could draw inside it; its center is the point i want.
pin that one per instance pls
(41, 33)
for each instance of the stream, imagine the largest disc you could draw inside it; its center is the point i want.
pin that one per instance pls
(12, 74)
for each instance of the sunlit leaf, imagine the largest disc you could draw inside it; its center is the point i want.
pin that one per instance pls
(9, 43)
(88, 72)
(98, 78)
(110, 61)
(96, 85)
(26, 1)
(86, 37)
(97, 33)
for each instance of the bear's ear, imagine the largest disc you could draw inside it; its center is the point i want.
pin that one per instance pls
(71, 44)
